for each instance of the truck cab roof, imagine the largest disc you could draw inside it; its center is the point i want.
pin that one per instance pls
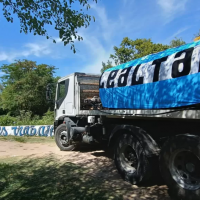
(79, 74)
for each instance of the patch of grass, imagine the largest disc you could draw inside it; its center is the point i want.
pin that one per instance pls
(48, 178)
(9, 138)
(38, 139)
(20, 139)
(30, 139)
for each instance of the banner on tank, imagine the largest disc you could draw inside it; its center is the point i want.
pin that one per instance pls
(166, 79)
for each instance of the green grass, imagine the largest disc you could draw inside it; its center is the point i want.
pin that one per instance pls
(48, 178)
(30, 139)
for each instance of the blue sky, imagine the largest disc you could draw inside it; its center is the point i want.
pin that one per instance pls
(160, 20)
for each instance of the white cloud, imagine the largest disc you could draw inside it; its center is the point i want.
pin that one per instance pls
(172, 7)
(2, 73)
(112, 26)
(37, 49)
(3, 56)
(29, 49)
(98, 53)
(179, 32)
(107, 26)
(98, 42)
(176, 34)
(40, 48)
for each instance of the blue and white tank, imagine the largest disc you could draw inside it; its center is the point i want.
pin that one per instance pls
(167, 79)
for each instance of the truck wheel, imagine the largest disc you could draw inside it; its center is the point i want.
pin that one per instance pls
(180, 166)
(61, 138)
(130, 159)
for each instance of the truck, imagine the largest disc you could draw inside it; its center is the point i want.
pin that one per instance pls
(144, 109)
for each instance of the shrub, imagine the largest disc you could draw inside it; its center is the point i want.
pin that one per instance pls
(48, 118)
(6, 120)
(26, 118)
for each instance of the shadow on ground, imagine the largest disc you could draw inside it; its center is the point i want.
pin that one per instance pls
(56, 178)
(97, 151)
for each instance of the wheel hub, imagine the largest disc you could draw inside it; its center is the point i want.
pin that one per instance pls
(129, 158)
(190, 167)
(64, 138)
(185, 171)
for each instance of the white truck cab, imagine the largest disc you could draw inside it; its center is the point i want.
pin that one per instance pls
(72, 92)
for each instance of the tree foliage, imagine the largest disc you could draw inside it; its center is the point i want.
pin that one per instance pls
(176, 42)
(106, 66)
(1, 88)
(25, 86)
(1, 110)
(197, 34)
(133, 49)
(66, 16)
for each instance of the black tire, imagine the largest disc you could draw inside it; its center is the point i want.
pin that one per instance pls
(130, 159)
(180, 166)
(61, 138)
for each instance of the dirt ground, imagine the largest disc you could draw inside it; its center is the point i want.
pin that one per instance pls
(98, 163)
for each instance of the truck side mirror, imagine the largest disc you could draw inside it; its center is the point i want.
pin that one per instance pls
(48, 93)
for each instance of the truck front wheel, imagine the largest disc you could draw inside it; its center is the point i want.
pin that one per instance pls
(62, 139)
(130, 159)
(180, 166)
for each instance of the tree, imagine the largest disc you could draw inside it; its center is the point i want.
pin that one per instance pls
(25, 86)
(176, 42)
(1, 88)
(133, 49)
(1, 110)
(66, 16)
(106, 66)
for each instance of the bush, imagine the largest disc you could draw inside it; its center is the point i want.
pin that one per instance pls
(48, 118)
(26, 118)
(6, 120)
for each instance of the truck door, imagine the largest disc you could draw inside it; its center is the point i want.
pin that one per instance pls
(65, 97)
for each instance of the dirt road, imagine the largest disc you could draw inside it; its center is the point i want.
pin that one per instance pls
(98, 164)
